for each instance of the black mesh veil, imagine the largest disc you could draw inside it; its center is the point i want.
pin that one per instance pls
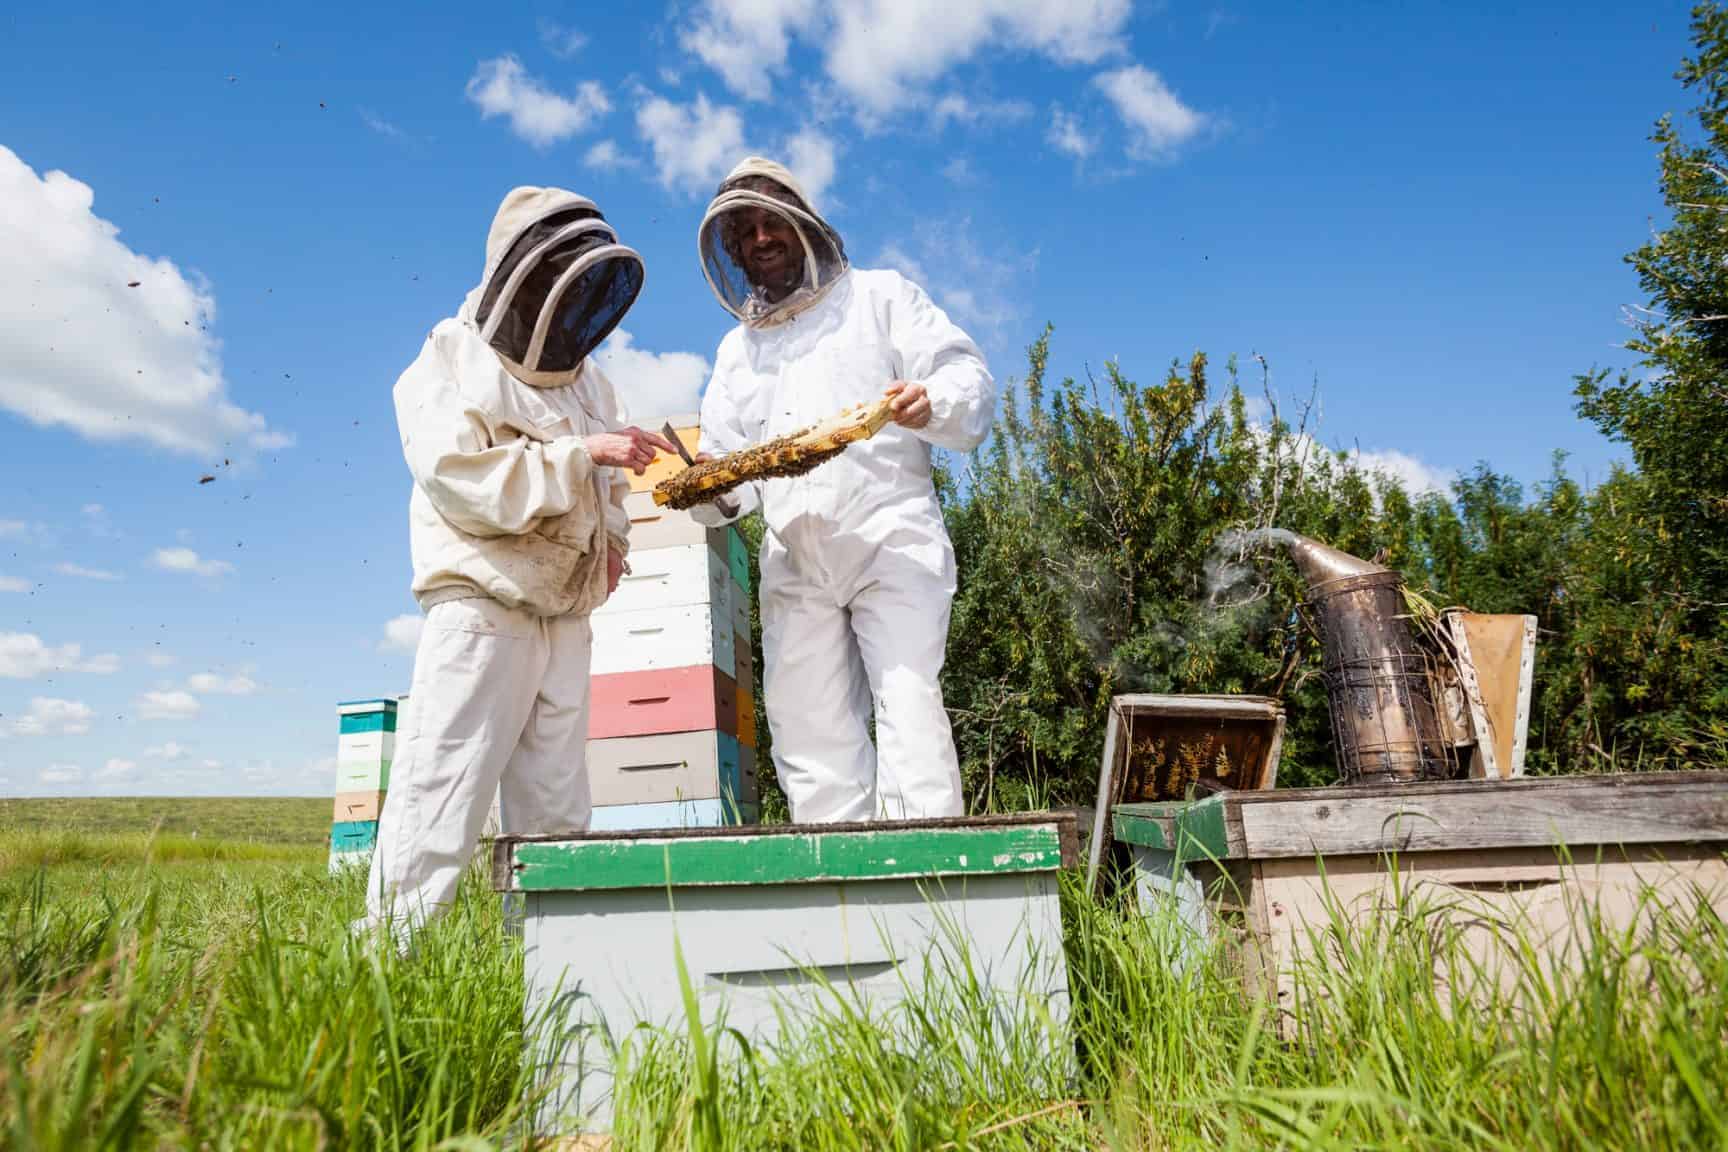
(560, 289)
(824, 256)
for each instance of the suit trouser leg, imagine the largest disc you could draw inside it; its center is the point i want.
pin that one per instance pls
(477, 673)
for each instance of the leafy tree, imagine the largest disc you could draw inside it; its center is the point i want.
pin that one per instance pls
(1099, 536)
(1655, 662)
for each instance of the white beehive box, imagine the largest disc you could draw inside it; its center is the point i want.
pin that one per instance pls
(771, 921)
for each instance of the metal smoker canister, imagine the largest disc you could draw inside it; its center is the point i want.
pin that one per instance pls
(1377, 677)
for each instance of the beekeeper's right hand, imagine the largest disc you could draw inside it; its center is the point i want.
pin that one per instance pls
(630, 448)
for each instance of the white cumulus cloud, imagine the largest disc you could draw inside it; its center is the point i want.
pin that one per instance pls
(1417, 477)
(542, 117)
(694, 144)
(51, 716)
(1066, 136)
(167, 705)
(883, 55)
(213, 684)
(562, 40)
(608, 157)
(746, 41)
(955, 108)
(402, 633)
(13, 584)
(1157, 121)
(652, 385)
(23, 656)
(172, 750)
(186, 560)
(83, 573)
(811, 156)
(100, 339)
(116, 769)
(60, 774)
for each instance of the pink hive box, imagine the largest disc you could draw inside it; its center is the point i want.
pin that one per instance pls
(693, 699)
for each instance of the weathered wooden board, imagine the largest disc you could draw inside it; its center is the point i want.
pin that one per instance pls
(1504, 900)
(1642, 808)
(1527, 855)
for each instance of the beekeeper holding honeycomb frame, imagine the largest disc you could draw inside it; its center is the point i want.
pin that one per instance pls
(857, 571)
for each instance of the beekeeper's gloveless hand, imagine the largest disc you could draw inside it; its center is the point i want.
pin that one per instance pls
(630, 448)
(911, 407)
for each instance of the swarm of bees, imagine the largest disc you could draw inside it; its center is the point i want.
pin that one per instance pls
(1166, 774)
(790, 455)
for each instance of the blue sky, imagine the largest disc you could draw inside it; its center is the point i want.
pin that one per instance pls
(1420, 209)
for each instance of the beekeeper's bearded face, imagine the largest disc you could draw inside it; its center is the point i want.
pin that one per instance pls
(765, 252)
(767, 247)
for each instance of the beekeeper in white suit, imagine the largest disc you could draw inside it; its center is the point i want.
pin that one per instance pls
(857, 569)
(518, 532)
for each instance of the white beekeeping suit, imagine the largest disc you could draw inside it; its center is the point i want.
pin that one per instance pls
(857, 569)
(510, 523)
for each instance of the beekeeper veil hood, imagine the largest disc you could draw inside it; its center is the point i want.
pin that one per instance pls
(814, 262)
(557, 282)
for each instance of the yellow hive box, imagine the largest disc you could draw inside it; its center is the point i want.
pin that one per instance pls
(746, 717)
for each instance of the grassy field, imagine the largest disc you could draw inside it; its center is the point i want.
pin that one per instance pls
(273, 820)
(219, 1002)
(120, 830)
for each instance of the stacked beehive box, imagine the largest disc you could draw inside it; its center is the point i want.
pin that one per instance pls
(365, 745)
(671, 732)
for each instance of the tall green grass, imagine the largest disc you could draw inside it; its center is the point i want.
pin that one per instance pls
(223, 1005)
(232, 1010)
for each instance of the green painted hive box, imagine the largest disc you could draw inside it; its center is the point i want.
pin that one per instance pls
(774, 922)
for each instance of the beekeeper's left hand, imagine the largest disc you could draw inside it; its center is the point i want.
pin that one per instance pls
(911, 407)
(614, 569)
